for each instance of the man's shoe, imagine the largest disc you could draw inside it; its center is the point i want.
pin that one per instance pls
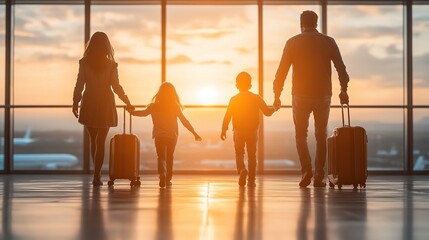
(242, 179)
(169, 183)
(251, 183)
(319, 183)
(162, 181)
(306, 179)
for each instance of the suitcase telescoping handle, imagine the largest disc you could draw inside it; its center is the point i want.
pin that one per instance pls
(131, 117)
(348, 114)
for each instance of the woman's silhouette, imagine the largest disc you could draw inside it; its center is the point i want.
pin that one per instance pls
(98, 75)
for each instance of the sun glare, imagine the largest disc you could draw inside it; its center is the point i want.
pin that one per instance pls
(208, 95)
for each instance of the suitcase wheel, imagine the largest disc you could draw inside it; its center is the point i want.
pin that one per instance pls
(331, 185)
(363, 185)
(136, 183)
(355, 185)
(110, 183)
(340, 186)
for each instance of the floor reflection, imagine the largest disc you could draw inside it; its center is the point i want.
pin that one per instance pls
(7, 209)
(305, 210)
(248, 220)
(347, 211)
(92, 219)
(164, 215)
(212, 207)
(320, 223)
(122, 212)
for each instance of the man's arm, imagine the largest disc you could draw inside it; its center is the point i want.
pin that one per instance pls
(343, 76)
(282, 72)
(340, 67)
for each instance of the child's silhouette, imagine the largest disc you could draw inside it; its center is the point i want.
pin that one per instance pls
(165, 109)
(244, 110)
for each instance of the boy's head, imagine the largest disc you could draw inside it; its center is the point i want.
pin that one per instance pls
(243, 81)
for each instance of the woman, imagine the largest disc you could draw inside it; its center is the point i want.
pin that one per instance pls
(98, 75)
(165, 109)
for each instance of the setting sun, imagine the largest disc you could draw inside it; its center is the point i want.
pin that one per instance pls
(208, 95)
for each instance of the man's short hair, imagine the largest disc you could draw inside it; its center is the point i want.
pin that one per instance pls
(309, 19)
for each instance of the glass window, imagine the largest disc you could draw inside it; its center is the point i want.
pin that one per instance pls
(210, 154)
(280, 24)
(385, 138)
(2, 138)
(135, 34)
(421, 140)
(2, 74)
(207, 46)
(142, 128)
(48, 45)
(47, 139)
(279, 142)
(420, 54)
(2, 50)
(370, 39)
(385, 135)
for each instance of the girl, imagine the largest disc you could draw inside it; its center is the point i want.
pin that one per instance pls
(165, 109)
(98, 75)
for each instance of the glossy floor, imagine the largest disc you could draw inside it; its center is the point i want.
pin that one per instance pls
(212, 207)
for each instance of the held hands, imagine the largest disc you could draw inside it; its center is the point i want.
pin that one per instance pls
(130, 108)
(75, 111)
(277, 103)
(344, 98)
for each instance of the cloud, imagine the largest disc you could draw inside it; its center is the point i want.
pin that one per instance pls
(367, 32)
(39, 57)
(131, 60)
(243, 50)
(420, 70)
(44, 25)
(361, 64)
(357, 12)
(179, 59)
(215, 62)
(208, 33)
(392, 49)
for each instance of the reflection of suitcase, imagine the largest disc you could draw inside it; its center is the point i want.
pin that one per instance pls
(347, 155)
(124, 162)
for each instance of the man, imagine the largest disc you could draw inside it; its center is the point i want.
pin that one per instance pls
(311, 54)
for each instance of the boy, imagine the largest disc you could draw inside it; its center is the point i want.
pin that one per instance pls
(244, 110)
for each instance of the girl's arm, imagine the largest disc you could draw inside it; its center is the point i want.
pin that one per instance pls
(142, 113)
(188, 125)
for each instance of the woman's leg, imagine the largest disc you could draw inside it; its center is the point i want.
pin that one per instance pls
(92, 136)
(98, 140)
(99, 152)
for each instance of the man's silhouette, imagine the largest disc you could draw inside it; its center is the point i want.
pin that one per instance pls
(310, 53)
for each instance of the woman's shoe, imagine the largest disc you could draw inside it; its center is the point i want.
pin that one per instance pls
(97, 182)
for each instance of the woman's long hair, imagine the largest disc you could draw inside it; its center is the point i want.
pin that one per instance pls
(98, 51)
(167, 96)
